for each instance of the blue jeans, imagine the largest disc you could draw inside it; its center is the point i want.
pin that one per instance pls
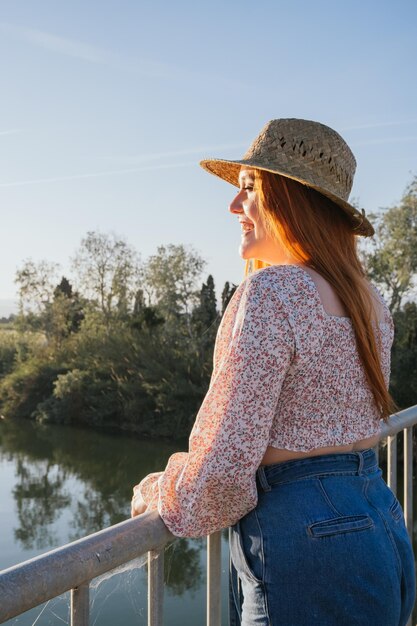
(326, 545)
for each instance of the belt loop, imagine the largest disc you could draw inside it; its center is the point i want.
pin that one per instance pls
(262, 478)
(361, 461)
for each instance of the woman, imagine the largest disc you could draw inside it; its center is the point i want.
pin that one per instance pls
(281, 450)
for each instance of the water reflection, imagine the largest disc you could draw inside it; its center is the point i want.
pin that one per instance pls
(72, 482)
(182, 566)
(40, 496)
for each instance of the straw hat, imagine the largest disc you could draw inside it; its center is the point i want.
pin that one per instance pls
(306, 151)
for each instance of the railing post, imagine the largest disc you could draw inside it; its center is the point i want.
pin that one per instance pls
(214, 570)
(392, 463)
(408, 480)
(155, 588)
(80, 605)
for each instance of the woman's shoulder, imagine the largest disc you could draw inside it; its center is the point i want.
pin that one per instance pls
(269, 294)
(277, 278)
(266, 288)
(287, 284)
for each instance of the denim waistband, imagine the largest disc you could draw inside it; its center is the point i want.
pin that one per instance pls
(358, 463)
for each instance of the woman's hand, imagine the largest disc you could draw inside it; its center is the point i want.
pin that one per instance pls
(138, 506)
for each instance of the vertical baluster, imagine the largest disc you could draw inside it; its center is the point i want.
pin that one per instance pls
(392, 463)
(155, 588)
(214, 571)
(408, 485)
(80, 605)
(408, 479)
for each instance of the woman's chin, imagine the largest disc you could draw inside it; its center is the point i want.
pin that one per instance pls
(245, 253)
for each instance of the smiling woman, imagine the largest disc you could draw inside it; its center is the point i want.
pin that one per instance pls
(281, 447)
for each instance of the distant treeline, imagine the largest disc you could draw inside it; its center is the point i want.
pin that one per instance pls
(128, 345)
(130, 348)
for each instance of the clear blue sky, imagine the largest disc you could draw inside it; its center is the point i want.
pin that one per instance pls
(107, 108)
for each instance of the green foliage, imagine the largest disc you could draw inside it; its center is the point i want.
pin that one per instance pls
(28, 385)
(62, 317)
(107, 268)
(81, 397)
(392, 262)
(205, 321)
(16, 346)
(174, 378)
(8, 351)
(138, 374)
(170, 279)
(404, 356)
(35, 283)
(205, 313)
(144, 317)
(227, 294)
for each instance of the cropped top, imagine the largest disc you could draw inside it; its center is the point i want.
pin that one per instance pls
(285, 374)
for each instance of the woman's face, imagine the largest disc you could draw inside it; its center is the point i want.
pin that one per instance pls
(256, 242)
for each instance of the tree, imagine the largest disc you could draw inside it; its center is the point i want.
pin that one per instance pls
(205, 322)
(64, 288)
(404, 356)
(170, 279)
(205, 313)
(144, 316)
(392, 261)
(64, 314)
(107, 269)
(36, 283)
(227, 293)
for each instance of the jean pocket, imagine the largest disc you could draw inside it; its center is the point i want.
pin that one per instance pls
(338, 525)
(237, 551)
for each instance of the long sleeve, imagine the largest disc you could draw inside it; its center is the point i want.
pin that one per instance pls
(213, 485)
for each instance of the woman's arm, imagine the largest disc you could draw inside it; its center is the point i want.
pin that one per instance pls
(213, 485)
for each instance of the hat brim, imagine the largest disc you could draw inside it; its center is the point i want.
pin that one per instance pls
(229, 171)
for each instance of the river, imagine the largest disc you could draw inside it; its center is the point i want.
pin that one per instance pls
(60, 483)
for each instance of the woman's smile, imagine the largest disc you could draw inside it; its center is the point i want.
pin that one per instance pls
(246, 226)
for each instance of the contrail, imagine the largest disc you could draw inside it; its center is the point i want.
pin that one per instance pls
(371, 142)
(380, 124)
(37, 181)
(176, 153)
(12, 131)
(62, 45)
(96, 55)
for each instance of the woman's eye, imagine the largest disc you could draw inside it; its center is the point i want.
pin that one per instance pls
(248, 188)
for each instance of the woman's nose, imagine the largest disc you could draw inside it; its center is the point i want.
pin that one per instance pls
(236, 204)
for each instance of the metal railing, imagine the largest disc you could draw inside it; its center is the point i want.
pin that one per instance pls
(72, 567)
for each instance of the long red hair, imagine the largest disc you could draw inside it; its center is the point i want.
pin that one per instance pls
(319, 234)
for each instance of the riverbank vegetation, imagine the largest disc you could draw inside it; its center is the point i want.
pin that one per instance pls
(130, 348)
(128, 344)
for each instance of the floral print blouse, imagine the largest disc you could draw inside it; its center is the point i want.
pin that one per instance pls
(286, 374)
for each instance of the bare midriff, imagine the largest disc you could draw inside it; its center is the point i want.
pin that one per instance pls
(279, 455)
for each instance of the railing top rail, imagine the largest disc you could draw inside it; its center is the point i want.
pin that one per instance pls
(403, 419)
(48, 575)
